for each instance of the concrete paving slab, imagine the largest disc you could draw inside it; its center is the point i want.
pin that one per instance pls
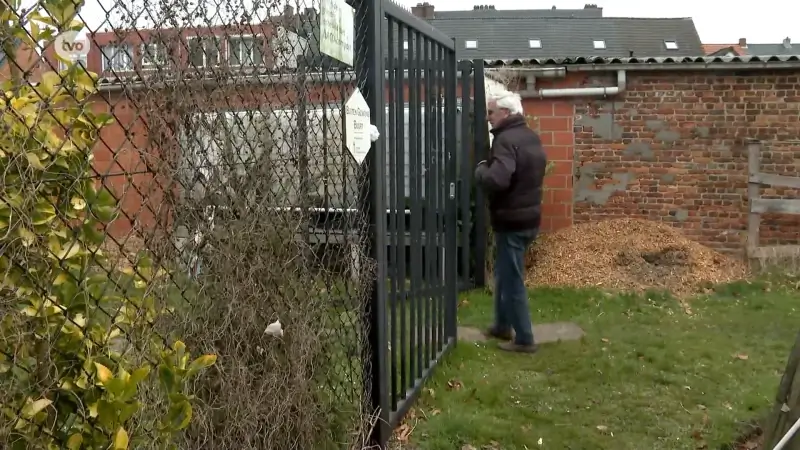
(543, 333)
(470, 334)
(557, 331)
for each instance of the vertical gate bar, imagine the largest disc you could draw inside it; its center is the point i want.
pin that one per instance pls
(440, 189)
(345, 173)
(465, 170)
(326, 195)
(400, 180)
(423, 203)
(481, 151)
(420, 212)
(393, 216)
(414, 173)
(369, 38)
(430, 203)
(327, 110)
(451, 80)
(446, 256)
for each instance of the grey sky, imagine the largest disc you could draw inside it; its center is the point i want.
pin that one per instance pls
(718, 22)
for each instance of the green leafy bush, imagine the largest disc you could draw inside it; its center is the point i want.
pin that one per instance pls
(67, 376)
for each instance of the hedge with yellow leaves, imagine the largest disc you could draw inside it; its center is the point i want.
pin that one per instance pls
(67, 377)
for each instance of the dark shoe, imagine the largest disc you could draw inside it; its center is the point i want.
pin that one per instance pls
(492, 333)
(518, 348)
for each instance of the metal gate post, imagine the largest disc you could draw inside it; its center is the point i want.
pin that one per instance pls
(370, 76)
(481, 131)
(451, 242)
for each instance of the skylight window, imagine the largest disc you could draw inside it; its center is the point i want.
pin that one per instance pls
(671, 45)
(599, 44)
(471, 44)
(535, 43)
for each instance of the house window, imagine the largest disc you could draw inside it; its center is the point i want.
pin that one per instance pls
(405, 45)
(204, 51)
(154, 55)
(245, 51)
(671, 45)
(80, 60)
(599, 44)
(535, 43)
(117, 58)
(471, 44)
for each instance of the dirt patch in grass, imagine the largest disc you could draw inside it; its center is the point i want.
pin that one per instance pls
(629, 255)
(753, 439)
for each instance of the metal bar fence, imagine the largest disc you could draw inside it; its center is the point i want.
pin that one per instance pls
(370, 69)
(473, 146)
(169, 200)
(420, 191)
(481, 149)
(220, 164)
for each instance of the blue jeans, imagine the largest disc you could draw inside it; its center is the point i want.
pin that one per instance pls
(510, 295)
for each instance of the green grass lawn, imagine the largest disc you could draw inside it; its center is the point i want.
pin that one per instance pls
(648, 375)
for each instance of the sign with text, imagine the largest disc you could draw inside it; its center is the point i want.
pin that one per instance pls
(71, 46)
(356, 123)
(337, 32)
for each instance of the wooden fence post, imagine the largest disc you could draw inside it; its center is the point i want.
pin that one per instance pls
(786, 410)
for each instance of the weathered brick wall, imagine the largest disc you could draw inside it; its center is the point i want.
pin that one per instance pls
(672, 149)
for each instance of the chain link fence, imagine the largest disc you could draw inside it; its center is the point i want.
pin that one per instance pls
(180, 189)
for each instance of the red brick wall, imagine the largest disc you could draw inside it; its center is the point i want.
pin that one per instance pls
(554, 120)
(672, 149)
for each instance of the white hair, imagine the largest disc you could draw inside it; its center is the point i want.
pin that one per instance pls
(508, 100)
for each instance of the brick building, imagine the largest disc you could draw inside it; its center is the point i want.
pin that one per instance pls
(145, 73)
(27, 63)
(664, 139)
(660, 138)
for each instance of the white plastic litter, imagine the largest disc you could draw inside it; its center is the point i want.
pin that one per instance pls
(274, 329)
(374, 134)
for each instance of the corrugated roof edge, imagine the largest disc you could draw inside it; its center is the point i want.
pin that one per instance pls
(596, 63)
(589, 63)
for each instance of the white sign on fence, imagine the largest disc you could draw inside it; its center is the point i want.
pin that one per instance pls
(337, 32)
(357, 126)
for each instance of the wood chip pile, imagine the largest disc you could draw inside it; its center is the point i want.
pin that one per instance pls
(629, 255)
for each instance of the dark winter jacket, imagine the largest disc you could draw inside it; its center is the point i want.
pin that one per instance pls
(513, 176)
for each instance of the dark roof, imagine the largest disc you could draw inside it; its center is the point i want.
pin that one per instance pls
(561, 37)
(773, 49)
(519, 13)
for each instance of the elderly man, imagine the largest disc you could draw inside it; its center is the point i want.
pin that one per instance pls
(512, 178)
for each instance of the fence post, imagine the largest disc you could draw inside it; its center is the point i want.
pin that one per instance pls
(465, 181)
(451, 243)
(481, 146)
(371, 76)
(753, 192)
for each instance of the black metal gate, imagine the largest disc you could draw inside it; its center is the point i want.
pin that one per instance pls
(472, 147)
(419, 199)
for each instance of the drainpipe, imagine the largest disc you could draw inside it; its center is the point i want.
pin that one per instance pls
(605, 91)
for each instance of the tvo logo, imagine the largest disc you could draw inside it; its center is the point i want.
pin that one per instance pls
(71, 46)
